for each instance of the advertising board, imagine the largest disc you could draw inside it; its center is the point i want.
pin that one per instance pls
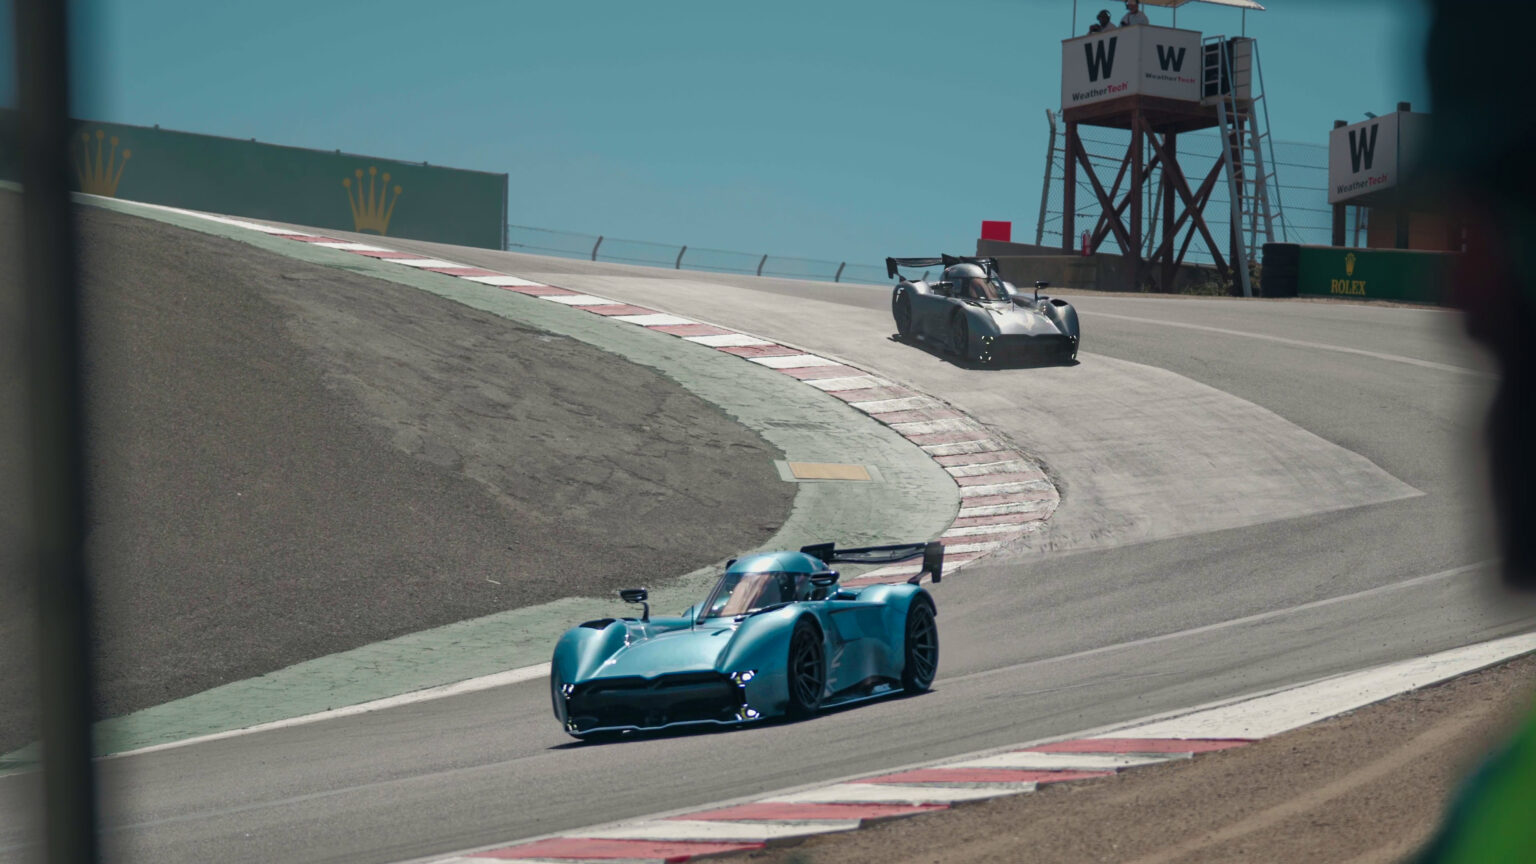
(320, 188)
(1125, 61)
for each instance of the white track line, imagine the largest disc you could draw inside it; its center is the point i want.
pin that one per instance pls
(485, 682)
(1319, 346)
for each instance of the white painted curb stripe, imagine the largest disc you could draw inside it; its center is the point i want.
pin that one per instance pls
(1062, 761)
(982, 530)
(579, 300)
(884, 793)
(504, 281)
(928, 427)
(426, 262)
(1000, 509)
(957, 548)
(1012, 466)
(684, 830)
(728, 340)
(963, 448)
(854, 382)
(794, 361)
(1001, 489)
(347, 246)
(882, 406)
(654, 320)
(1291, 709)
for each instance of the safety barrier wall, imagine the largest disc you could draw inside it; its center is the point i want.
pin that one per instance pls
(324, 189)
(1366, 274)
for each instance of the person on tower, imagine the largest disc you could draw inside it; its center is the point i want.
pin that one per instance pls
(1103, 23)
(1133, 14)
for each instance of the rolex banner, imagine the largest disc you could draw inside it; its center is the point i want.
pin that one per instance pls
(323, 189)
(1360, 274)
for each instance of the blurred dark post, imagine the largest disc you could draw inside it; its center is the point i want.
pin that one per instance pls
(56, 441)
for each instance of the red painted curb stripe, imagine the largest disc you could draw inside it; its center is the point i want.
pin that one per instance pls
(992, 479)
(949, 437)
(692, 330)
(999, 519)
(619, 309)
(977, 458)
(794, 812)
(871, 394)
(812, 373)
(917, 415)
(577, 847)
(537, 290)
(760, 350)
(462, 271)
(984, 775)
(1140, 745)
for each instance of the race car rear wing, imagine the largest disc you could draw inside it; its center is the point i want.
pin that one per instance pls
(891, 264)
(932, 552)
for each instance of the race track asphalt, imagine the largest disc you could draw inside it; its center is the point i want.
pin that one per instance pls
(1253, 495)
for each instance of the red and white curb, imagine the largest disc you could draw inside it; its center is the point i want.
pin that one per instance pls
(845, 805)
(1003, 494)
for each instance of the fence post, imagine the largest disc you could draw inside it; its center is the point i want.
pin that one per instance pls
(595, 245)
(678, 264)
(760, 265)
(839, 276)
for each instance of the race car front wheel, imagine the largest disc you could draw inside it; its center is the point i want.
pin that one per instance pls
(902, 310)
(922, 653)
(960, 335)
(807, 670)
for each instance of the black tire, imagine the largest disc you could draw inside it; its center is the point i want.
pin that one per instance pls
(901, 309)
(807, 670)
(922, 651)
(960, 335)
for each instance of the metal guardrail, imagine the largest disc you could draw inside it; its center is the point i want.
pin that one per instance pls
(597, 247)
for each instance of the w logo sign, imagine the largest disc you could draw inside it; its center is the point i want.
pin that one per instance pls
(1101, 63)
(1362, 149)
(1168, 58)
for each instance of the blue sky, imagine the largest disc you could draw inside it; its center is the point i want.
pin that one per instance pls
(822, 129)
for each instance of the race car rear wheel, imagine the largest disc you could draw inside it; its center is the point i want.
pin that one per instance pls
(807, 670)
(901, 309)
(922, 653)
(960, 335)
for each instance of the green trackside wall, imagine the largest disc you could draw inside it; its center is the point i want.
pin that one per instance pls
(285, 184)
(1365, 274)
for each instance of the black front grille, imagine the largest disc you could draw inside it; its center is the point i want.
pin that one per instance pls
(650, 703)
(1028, 349)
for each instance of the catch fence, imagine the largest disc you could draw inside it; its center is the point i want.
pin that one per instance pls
(595, 247)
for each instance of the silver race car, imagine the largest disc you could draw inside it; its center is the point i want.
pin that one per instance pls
(972, 313)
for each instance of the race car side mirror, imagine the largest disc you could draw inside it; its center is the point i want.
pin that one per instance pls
(637, 595)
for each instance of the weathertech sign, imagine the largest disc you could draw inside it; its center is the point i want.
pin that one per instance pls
(1125, 61)
(1368, 157)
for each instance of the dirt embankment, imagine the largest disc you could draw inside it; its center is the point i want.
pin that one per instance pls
(289, 461)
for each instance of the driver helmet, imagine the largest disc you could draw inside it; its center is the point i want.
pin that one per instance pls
(970, 280)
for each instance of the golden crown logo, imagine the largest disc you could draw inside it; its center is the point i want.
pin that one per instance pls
(370, 211)
(1349, 264)
(99, 172)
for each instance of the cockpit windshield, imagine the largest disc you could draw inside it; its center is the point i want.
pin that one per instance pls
(741, 593)
(979, 288)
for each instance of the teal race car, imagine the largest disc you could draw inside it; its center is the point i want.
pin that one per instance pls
(776, 637)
